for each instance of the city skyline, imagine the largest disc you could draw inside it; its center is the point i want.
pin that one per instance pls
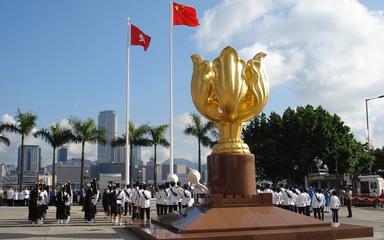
(69, 59)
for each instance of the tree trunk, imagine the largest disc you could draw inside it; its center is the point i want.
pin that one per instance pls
(54, 169)
(21, 166)
(82, 165)
(130, 164)
(199, 156)
(154, 168)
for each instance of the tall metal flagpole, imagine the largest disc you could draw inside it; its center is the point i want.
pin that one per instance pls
(127, 177)
(170, 88)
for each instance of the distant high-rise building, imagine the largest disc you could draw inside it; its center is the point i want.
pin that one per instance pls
(119, 155)
(62, 154)
(107, 120)
(32, 158)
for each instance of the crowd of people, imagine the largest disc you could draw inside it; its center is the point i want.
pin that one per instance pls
(134, 199)
(304, 201)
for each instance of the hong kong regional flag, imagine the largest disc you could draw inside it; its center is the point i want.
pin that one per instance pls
(139, 38)
(184, 15)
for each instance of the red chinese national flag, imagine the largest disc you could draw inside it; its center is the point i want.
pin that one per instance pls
(139, 38)
(184, 15)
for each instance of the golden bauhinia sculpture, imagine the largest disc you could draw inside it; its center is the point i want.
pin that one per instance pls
(229, 92)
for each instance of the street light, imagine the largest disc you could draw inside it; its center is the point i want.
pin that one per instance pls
(366, 114)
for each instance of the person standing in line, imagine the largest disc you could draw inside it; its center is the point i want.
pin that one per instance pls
(186, 197)
(327, 199)
(135, 201)
(173, 198)
(322, 204)
(308, 203)
(60, 206)
(275, 197)
(145, 204)
(180, 193)
(167, 201)
(120, 200)
(46, 200)
(94, 199)
(301, 202)
(10, 197)
(286, 198)
(316, 201)
(113, 201)
(40, 205)
(26, 193)
(128, 200)
(348, 200)
(69, 199)
(334, 204)
(158, 199)
(16, 198)
(32, 205)
(87, 205)
(104, 202)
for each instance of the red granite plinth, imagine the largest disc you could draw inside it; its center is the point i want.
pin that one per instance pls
(246, 223)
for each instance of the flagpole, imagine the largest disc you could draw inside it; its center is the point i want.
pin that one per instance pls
(127, 172)
(171, 87)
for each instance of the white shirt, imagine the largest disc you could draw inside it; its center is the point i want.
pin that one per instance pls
(308, 202)
(275, 198)
(186, 198)
(322, 198)
(145, 199)
(10, 194)
(68, 202)
(26, 194)
(173, 196)
(301, 200)
(128, 195)
(316, 203)
(334, 202)
(286, 199)
(95, 198)
(120, 196)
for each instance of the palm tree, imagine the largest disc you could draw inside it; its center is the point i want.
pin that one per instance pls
(25, 122)
(56, 136)
(136, 138)
(200, 130)
(86, 131)
(157, 138)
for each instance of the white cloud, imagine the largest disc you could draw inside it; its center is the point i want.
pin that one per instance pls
(325, 52)
(182, 120)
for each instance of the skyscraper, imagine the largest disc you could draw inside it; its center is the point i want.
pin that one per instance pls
(107, 120)
(62, 154)
(32, 158)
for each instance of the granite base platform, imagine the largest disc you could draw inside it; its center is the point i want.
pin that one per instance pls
(245, 223)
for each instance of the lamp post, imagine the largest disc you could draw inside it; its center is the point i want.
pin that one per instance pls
(366, 114)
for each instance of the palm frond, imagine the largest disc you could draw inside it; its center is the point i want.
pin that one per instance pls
(4, 140)
(10, 127)
(119, 141)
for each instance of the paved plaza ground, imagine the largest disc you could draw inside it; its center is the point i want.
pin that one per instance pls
(13, 225)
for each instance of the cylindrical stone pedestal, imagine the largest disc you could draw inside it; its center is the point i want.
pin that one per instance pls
(232, 174)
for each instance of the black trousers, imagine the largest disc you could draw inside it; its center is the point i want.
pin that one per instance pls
(335, 215)
(348, 203)
(322, 213)
(159, 209)
(301, 210)
(316, 213)
(308, 210)
(135, 213)
(127, 207)
(172, 208)
(146, 210)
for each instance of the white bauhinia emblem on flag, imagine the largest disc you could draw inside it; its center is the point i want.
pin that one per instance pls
(141, 38)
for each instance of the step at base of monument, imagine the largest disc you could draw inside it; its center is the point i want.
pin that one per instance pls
(248, 222)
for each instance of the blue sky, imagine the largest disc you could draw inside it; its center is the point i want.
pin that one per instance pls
(64, 58)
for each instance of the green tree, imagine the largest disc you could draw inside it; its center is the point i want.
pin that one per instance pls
(379, 159)
(201, 131)
(137, 137)
(86, 131)
(157, 138)
(25, 122)
(56, 136)
(286, 146)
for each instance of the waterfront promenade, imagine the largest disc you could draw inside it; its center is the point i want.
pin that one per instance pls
(13, 225)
